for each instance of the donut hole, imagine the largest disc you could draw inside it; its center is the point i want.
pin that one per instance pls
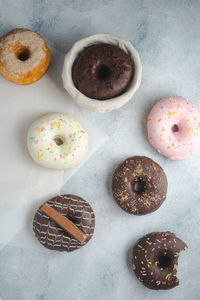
(164, 261)
(72, 219)
(139, 186)
(175, 128)
(104, 72)
(58, 140)
(23, 54)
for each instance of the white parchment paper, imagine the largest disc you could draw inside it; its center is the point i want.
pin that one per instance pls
(24, 185)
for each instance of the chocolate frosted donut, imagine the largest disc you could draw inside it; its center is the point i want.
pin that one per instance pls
(102, 71)
(139, 185)
(155, 260)
(51, 235)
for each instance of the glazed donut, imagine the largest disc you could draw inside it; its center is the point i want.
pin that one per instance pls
(102, 71)
(174, 127)
(57, 141)
(24, 56)
(139, 185)
(155, 260)
(51, 235)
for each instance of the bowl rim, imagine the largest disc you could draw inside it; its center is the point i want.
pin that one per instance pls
(97, 104)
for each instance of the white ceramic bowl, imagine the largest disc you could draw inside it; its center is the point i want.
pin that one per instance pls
(95, 104)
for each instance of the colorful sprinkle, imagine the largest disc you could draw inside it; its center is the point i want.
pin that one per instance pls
(40, 155)
(45, 130)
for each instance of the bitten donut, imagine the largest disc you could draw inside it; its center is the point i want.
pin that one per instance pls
(75, 209)
(57, 141)
(139, 185)
(155, 260)
(24, 56)
(174, 127)
(102, 71)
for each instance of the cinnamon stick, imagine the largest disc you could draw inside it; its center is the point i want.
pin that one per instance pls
(64, 223)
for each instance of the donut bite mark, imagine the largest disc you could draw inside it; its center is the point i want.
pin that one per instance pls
(139, 185)
(64, 223)
(102, 71)
(24, 56)
(155, 260)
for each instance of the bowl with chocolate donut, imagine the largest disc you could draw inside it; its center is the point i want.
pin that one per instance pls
(102, 72)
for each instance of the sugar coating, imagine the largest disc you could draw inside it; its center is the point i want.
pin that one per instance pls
(28, 39)
(166, 113)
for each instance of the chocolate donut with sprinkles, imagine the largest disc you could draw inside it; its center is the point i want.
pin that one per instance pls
(155, 260)
(139, 185)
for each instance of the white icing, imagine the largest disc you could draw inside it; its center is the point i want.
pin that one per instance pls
(42, 144)
(93, 104)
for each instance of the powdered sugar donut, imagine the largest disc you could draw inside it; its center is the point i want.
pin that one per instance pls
(174, 127)
(57, 141)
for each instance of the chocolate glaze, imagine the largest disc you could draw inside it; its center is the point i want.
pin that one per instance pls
(155, 260)
(102, 71)
(51, 235)
(139, 185)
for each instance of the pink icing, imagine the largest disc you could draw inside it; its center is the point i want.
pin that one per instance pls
(174, 127)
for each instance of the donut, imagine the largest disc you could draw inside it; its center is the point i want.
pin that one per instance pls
(51, 235)
(72, 58)
(102, 71)
(24, 56)
(155, 260)
(174, 127)
(139, 185)
(57, 141)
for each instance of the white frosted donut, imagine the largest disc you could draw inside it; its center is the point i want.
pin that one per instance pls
(57, 141)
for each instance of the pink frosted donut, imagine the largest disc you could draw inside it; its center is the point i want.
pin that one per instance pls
(174, 127)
